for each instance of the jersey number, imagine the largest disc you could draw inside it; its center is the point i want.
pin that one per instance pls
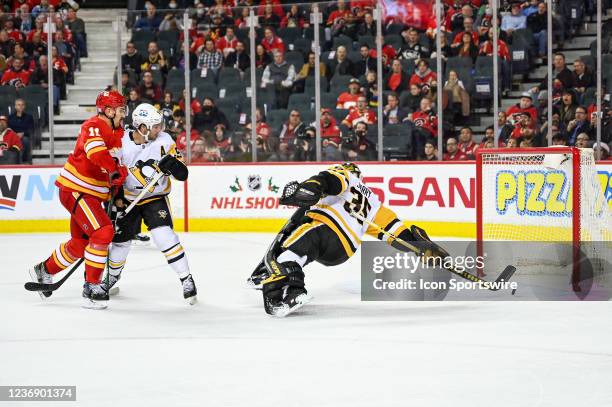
(359, 204)
(94, 132)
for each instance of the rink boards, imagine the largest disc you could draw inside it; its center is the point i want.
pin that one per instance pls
(241, 197)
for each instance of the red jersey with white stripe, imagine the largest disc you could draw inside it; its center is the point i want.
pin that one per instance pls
(92, 160)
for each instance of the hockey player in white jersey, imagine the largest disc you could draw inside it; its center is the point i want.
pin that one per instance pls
(146, 150)
(327, 229)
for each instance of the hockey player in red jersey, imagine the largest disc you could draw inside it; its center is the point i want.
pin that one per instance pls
(92, 171)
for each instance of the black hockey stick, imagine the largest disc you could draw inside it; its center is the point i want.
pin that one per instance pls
(32, 286)
(505, 275)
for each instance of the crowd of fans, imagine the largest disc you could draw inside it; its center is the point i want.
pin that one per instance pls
(24, 67)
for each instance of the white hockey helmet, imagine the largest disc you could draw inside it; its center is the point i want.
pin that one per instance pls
(146, 114)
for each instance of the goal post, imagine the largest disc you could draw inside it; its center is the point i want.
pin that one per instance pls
(539, 196)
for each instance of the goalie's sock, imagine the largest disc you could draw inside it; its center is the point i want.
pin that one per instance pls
(289, 256)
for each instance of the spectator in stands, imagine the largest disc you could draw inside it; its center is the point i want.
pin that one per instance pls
(149, 91)
(466, 143)
(583, 77)
(452, 151)
(331, 136)
(356, 147)
(222, 140)
(262, 58)
(486, 48)
(525, 129)
(567, 108)
(41, 8)
(308, 70)
(411, 47)
(579, 124)
(505, 128)
(348, 99)
(132, 59)
(169, 23)
(36, 47)
(338, 19)
(209, 117)
(133, 101)
(360, 113)
(412, 100)
(156, 60)
(9, 140)
(426, 124)
(210, 58)
(40, 76)
(269, 18)
(293, 18)
(396, 79)
(6, 43)
(489, 137)
(152, 20)
(284, 145)
(59, 66)
(239, 58)
(2, 64)
(466, 47)
(195, 104)
(601, 150)
(19, 52)
(365, 64)
(271, 42)
(367, 26)
(445, 50)
(228, 43)
(525, 105)
(430, 151)
(22, 123)
(424, 78)
(563, 77)
(559, 140)
(126, 83)
(583, 140)
(459, 97)
(468, 28)
(66, 52)
(16, 75)
(392, 112)
(537, 23)
(340, 64)
(13, 32)
(77, 27)
(305, 145)
(23, 19)
(513, 21)
(457, 19)
(167, 108)
(262, 129)
(280, 75)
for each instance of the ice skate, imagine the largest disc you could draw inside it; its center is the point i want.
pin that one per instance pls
(39, 274)
(189, 290)
(94, 296)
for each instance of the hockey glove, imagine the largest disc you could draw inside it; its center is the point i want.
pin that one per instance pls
(118, 179)
(170, 165)
(428, 248)
(306, 194)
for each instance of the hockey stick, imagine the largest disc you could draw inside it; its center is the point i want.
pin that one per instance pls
(32, 286)
(503, 276)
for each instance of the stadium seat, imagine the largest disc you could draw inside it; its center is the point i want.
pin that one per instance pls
(295, 58)
(229, 75)
(172, 37)
(340, 82)
(397, 142)
(339, 114)
(366, 40)
(329, 100)
(290, 34)
(231, 90)
(304, 45)
(9, 91)
(300, 101)
(310, 85)
(277, 117)
(394, 40)
(166, 47)
(204, 89)
(143, 36)
(10, 157)
(520, 57)
(457, 63)
(343, 40)
(197, 78)
(395, 29)
(246, 77)
(308, 116)
(589, 61)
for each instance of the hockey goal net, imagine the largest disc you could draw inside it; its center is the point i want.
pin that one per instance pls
(542, 195)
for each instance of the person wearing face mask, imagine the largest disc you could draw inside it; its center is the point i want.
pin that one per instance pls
(209, 117)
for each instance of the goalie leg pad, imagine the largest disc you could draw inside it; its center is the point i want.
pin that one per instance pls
(283, 287)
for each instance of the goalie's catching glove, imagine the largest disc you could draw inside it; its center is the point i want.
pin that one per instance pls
(170, 165)
(305, 194)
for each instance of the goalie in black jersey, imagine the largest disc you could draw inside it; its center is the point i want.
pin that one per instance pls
(146, 151)
(327, 228)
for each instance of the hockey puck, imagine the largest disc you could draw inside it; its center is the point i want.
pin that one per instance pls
(513, 291)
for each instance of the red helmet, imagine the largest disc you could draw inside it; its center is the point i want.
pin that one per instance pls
(112, 99)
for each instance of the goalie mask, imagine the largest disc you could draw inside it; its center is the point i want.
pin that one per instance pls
(352, 168)
(147, 115)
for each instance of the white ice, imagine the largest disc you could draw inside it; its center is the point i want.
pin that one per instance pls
(149, 348)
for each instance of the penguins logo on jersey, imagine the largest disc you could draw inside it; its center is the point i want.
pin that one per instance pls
(144, 172)
(162, 213)
(254, 182)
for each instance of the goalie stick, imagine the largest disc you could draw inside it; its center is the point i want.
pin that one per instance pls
(505, 275)
(33, 286)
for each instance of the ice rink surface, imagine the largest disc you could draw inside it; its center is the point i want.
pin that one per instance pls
(150, 348)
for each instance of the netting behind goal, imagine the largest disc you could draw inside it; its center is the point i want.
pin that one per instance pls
(529, 195)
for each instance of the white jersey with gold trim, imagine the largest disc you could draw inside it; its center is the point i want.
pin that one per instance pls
(141, 160)
(335, 210)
